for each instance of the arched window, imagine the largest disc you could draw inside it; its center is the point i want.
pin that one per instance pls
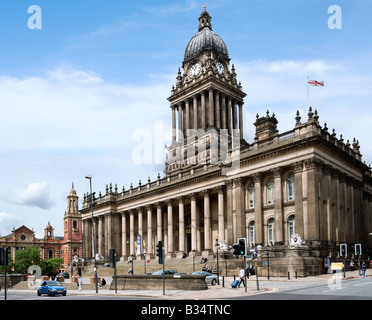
(251, 196)
(271, 231)
(270, 191)
(291, 226)
(50, 254)
(291, 187)
(74, 224)
(252, 233)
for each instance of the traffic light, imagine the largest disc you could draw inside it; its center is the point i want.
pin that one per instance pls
(358, 249)
(159, 251)
(343, 249)
(242, 246)
(112, 256)
(236, 249)
(3, 256)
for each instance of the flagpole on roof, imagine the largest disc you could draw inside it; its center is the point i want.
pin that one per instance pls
(308, 100)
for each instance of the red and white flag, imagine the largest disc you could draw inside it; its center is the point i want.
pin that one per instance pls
(315, 83)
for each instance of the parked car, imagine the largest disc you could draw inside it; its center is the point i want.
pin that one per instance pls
(51, 288)
(166, 272)
(64, 274)
(210, 278)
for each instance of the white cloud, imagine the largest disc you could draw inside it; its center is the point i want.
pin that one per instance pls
(281, 87)
(67, 108)
(34, 195)
(7, 222)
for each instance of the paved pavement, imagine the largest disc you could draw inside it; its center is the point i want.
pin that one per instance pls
(213, 292)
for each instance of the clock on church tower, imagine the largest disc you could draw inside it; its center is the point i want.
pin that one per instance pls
(207, 96)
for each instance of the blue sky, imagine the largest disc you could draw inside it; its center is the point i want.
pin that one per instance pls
(74, 94)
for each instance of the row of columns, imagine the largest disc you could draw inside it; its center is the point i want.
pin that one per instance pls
(113, 228)
(208, 108)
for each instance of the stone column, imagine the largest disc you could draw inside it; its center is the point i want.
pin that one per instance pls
(107, 225)
(224, 125)
(229, 114)
(193, 220)
(239, 208)
(204, 114)
(333, 204)
(159, 222)
(181, 225)
(100, 236)
(229, 212)
(195, 110)
(235, 116)
(221, 214)
(187, 117)
(180, 135)
(312, 168)
(149, 251)
(207, 222)
(140, 230)
(241, 128)
(132, 240)
(343, 209)
(299, 222)
(123, 236)
(170, 229)
(174, 124)
(218, 110)
(258, 207)
(211, 108)
(324, 194)
(278, 205)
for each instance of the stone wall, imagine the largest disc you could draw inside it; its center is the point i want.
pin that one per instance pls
(155, 282)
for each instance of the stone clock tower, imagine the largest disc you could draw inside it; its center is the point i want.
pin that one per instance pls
(207, 104)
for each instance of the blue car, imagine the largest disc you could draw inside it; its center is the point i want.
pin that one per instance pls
(51, 288)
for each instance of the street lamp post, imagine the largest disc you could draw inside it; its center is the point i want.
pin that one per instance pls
(217, 245)
(93, 237)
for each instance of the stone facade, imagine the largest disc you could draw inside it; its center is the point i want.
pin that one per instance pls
(217, 187)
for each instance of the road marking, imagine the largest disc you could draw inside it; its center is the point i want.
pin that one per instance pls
(362, 284)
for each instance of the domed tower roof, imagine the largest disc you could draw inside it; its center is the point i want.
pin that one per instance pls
(205, 39)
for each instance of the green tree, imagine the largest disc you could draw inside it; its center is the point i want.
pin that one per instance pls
(51, 267)
(26, 258)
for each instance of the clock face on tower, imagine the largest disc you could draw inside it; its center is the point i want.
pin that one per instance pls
(195, 69)
(220, 68)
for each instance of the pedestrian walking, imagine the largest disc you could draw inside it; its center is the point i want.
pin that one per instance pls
(241, 276)
(352, 265)
(364, 269)
(80, 282)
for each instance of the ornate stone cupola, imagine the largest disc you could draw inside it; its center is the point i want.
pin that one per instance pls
(207, 98)
(205, 19)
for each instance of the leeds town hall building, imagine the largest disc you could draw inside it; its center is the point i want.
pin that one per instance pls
(299, 194)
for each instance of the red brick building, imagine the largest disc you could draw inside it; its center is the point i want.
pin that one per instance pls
(51, 246)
